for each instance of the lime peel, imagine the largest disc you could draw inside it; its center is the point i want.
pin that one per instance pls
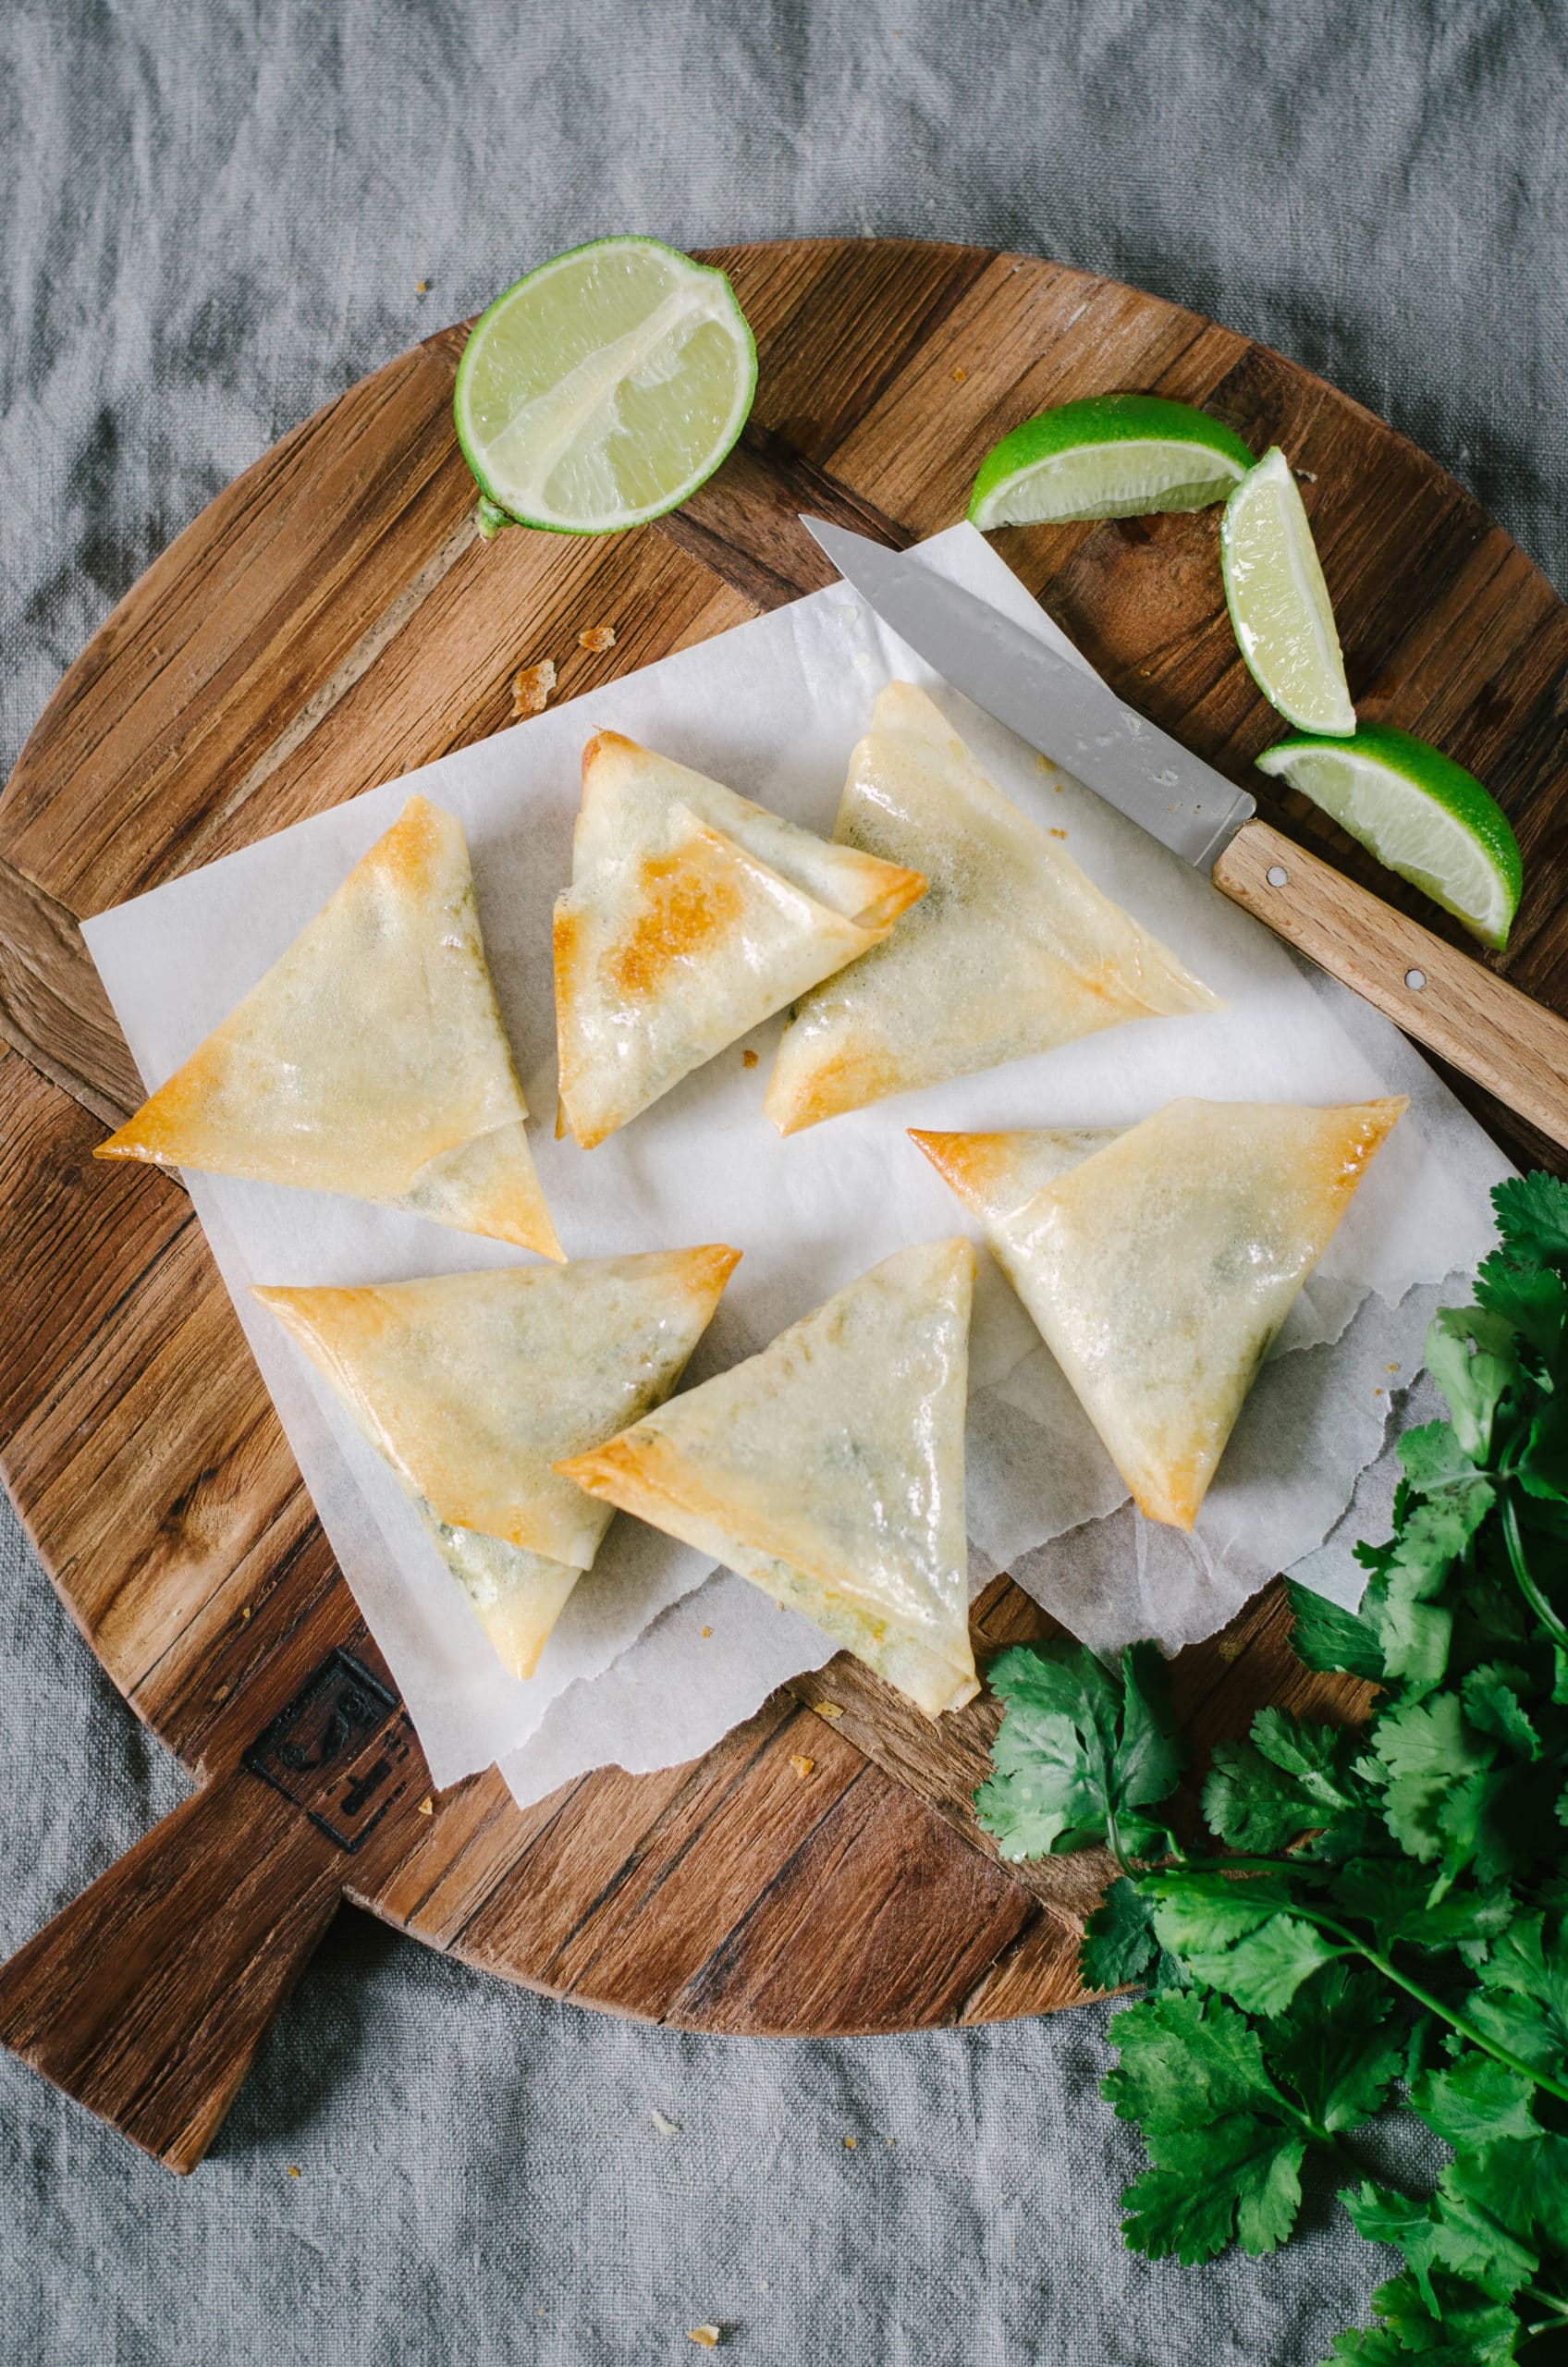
(1421, 813)
(604, 387)
(1107, 456)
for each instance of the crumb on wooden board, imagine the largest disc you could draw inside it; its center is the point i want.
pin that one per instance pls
(532, 686)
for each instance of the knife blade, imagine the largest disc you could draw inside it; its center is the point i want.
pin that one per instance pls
(1062, 709)
(1459, 1009)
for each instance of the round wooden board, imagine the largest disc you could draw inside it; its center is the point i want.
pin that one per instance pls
(330, 622)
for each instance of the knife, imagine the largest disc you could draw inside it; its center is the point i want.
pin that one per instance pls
(1454, 1006)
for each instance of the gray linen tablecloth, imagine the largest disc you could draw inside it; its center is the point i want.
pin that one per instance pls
(214, 217)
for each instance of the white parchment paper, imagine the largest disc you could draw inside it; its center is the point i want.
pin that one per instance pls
(773, 709)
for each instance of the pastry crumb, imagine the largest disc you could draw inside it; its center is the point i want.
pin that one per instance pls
(248, 1608)
(532, 686)
(828, 1709)
(749, 1059)
(422, 288)
(707, 1631)
(662, 2122)
(293, 2170)
(708, 2337)
(1391, 1368)
(1058, 834)
(220, 1693)
(850, 2144)
(801, 1764)
(427, 1806)
(960, 373)
(596, 637)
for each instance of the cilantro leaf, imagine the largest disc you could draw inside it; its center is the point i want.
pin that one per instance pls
(1395, 1895)
(1494, 1820)
(1543, 1466)
(1225, 2145)
(1327, 1637)
(1150, 1756)
(1432, 1457)
(1384, 2217)
(1471, 1355)
(1079, 1751)
(1185, 2058)
(1425, 1747)
(1340, 2049)
(1551, 2191)
(1475, 2101)
(1530, 1297)
(1494, 1703)
(1239, 2179)
(1477, 2227)
(1233, 1937)
(1532, 1218)
(1461, 2328)
(1289, 1777)
(1521, 2001)
(1414, 1631)
(1119, 1938)
(1483, 2215)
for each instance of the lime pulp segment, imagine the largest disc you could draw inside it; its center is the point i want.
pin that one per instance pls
(602, 389)
(1107, 456)
(1422, 816)
(1278, 601)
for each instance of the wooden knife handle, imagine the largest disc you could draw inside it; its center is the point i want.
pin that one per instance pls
(148, 1998)
(1457, 1007)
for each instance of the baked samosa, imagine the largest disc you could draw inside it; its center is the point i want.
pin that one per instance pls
(692, 915)
(474, 1386)
(1011, 950)
(1159, 1264)
(369, 1059)
(828, 1471)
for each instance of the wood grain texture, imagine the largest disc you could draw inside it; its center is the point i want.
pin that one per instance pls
(330, 622)
(1510, 1044)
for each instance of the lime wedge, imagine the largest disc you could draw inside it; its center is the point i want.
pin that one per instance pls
(1420, 812)
(1278, 602)
(602, 389)
(1107, 456)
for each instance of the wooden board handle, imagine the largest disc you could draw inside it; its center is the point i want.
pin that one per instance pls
(1457, 1007)
(147, 1999)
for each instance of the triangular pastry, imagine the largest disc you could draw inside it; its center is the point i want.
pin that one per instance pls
(1011, 950)
(371, 1058)
(692, 915)
(828, 1471)
(1161, 1263)
(474, 1386)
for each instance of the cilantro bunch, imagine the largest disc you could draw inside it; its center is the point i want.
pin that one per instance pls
(1376, 1916)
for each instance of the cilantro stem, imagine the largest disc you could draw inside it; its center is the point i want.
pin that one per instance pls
(1512, 1537)
(1380, 1963)
(1471, 2036)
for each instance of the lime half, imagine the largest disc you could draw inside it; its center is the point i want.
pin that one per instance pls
(1420, 812)
(605, 387)
(1278, 602)
(1109, 456)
